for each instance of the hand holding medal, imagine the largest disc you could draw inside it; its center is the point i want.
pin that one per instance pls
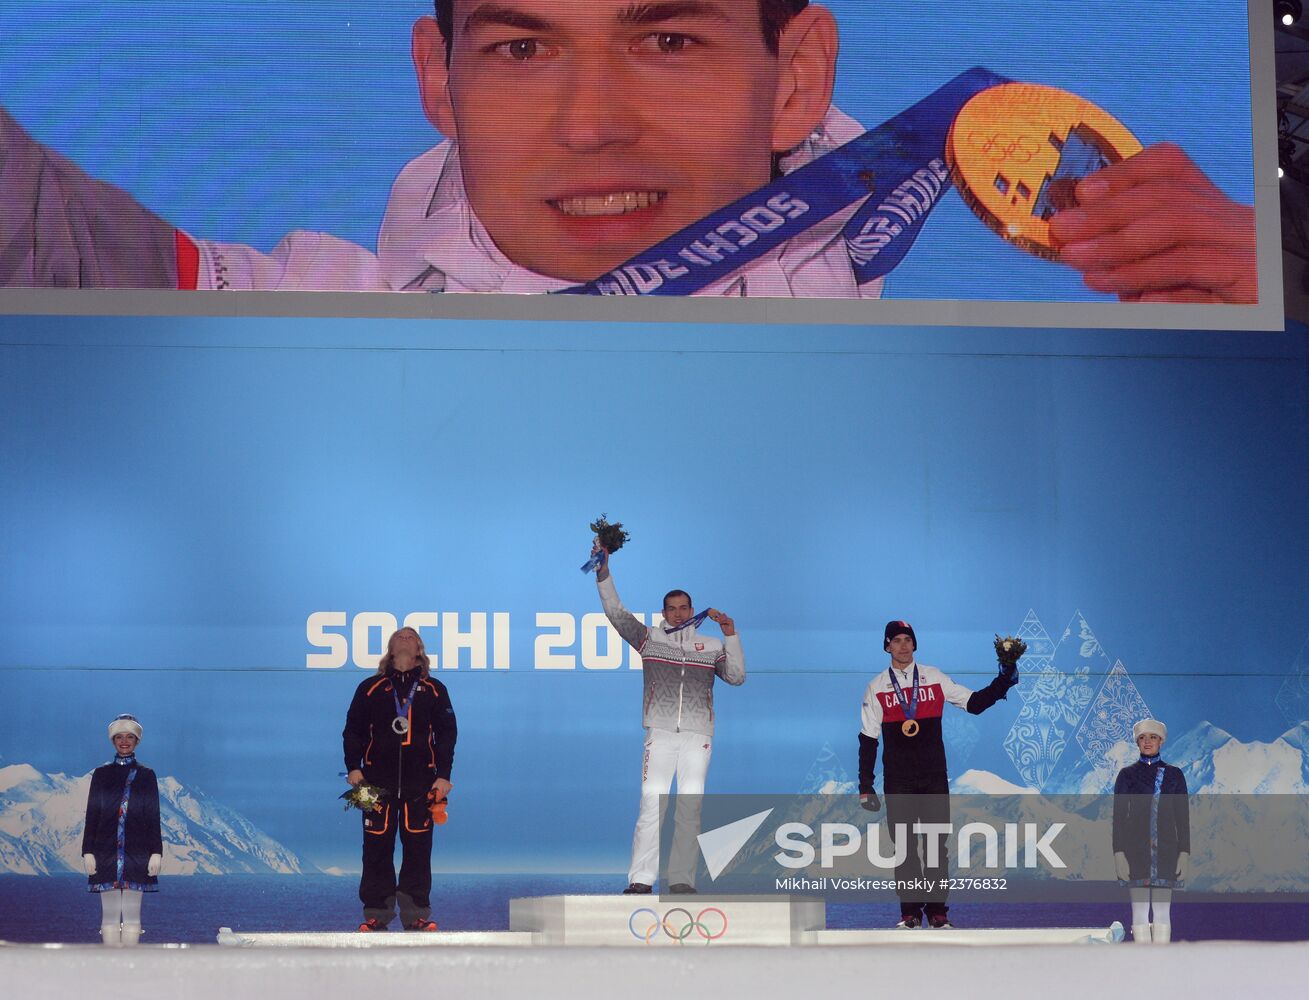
(1017, 151)
(724, 621)
(609, 538)
(1063, 179)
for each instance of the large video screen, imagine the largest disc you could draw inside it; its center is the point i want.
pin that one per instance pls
(940, 155)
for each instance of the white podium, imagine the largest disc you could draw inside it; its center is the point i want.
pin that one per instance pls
(692, 921)
(667, 921)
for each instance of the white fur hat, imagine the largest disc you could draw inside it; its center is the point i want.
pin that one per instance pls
(1149, 726)
(125, 724)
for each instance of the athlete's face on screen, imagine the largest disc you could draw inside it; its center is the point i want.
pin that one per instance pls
(588, 132)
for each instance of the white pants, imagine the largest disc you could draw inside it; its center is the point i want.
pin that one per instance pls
(120, 905)
(1145, 898)
(667, 755)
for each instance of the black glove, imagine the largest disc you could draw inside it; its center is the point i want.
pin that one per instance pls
(1009, 673)
(870, 801)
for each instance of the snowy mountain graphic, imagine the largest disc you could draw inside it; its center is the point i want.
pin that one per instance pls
(1216, 762)
(42, 815)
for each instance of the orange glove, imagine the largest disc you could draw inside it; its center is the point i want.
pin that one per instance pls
(438, 810)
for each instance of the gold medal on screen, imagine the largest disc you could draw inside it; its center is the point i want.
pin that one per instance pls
(1017, 151)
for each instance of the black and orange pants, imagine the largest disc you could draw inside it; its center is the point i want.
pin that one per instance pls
(381, 892)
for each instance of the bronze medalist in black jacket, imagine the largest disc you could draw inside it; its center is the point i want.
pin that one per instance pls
(404, 764)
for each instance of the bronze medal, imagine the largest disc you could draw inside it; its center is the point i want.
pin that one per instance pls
(909, 727)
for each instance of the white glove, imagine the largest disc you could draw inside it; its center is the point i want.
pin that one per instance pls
(1183, 866)
(152, 866)
(1120, 867)
(88, 862)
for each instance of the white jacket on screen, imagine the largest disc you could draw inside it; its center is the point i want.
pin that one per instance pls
(430, 241)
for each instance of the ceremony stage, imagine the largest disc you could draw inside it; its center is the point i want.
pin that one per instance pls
(567, 947)
(682, 922)
(1002, 971)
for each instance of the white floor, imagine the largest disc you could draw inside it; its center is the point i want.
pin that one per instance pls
(1068, 972)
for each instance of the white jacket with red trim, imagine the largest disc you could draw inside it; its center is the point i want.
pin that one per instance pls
(678, 667)
(61, 228)
(431, 241)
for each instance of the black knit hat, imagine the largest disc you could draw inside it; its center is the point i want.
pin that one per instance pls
(899, 628)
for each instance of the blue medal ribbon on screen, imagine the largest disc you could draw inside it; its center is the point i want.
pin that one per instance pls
(911, 706)
(689, 623)
(897, 169)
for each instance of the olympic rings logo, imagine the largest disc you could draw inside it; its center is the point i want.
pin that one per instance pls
(998, 147)
(678, 924)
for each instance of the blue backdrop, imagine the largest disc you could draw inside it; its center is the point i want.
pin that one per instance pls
(179, 496)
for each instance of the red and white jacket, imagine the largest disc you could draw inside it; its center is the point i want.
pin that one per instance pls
(911, 761)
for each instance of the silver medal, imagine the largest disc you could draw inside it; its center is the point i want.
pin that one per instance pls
(400, 725)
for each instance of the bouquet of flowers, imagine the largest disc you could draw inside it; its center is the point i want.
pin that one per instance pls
(1009, 650)
(367, 798)
(610, 536)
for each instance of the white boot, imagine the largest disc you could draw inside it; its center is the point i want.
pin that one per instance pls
(1163, 933)
(131, 934)
(109, 935)
(1141, 933)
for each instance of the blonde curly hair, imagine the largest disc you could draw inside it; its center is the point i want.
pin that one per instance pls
(424, 661)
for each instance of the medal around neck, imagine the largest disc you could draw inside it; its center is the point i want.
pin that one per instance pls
(400, 724)
(910, 706)
(1017, 151)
